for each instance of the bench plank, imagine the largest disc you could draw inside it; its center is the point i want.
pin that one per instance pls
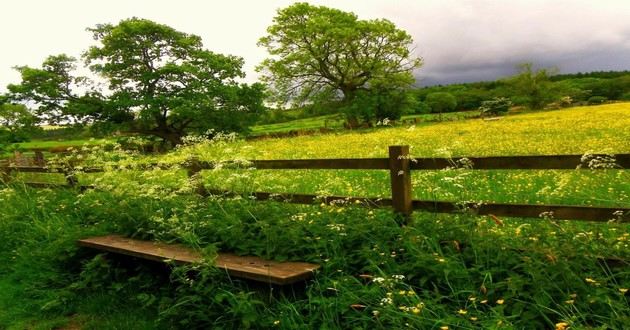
(247, 267)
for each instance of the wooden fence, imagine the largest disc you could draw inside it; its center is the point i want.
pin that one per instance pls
(400, 166)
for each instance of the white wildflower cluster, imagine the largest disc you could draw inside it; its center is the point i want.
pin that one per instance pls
(384, 122)
(594, 161)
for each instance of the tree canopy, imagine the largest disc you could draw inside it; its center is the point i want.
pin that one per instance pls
(160, 82)
(168, 83)
(53, 91)
(319, 50)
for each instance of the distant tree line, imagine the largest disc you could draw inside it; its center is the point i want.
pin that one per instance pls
(533, 89)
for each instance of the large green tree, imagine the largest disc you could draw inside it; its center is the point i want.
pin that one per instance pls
(317, 51)
(168, 83)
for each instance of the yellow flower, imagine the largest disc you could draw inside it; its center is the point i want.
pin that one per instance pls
(590, 280)
(444, 327)
(472, 318)
(462, 312)
(561, 325)
(485, 301)
(500, 301)
(276, 322)
(570, 301)
(416, 310)
(623, 290)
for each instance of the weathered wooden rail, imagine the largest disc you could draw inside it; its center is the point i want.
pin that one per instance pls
(400, 165)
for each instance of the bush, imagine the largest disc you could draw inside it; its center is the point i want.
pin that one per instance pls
(625, 97)
(441, 102)
(422, 108)
(496, 106)
(597, 99)
(378, 104)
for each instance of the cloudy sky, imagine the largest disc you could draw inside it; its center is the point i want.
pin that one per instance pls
(459, 40)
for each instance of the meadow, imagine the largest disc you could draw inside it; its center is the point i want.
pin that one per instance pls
(440, 272)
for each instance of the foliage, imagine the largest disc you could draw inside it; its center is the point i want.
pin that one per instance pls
(441, 102)
(496, 106)
(16, 123)
(597, 99)
(533, 86)
(323, 51)
(53, 89)
(168, 83)
(378, 104)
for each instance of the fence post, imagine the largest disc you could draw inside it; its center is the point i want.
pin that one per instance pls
(39, 158)
(400, 176)
(18, 158)
(71, 178)
(5, 174)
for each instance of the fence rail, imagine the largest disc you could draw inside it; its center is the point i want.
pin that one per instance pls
(400, 164)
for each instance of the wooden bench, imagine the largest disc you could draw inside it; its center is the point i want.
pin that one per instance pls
(247, 267)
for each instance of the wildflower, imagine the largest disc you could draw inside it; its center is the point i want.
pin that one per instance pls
(378, 280)
(416, 310)
(387, 301)
(472, 299)
(276, 322)
(569, 302)
(485, 301)
(590, 280)
(472, 318)
(444, 327)
(561, 325)
(462, 312)
(623, 290)
(375, 313)
(500, 301)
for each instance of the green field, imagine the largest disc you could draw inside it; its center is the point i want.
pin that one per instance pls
(457, 271)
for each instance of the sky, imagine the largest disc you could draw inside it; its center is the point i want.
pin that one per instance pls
(459, 40)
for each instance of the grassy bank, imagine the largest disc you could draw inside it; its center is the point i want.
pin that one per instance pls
(455, 271)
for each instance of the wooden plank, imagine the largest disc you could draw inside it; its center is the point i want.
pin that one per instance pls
(559, 212)
(400, 178)
(251, 268)
(313, 164)
(307, 199)
(559, 162)
(40, 169)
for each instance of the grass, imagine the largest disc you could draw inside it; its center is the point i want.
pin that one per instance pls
(313, 123)
(456, 271)
(59, 143)
(336, 122)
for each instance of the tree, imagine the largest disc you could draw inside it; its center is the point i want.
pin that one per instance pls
(534, 87)
(52, 90)
(16, 123)
(167, 83)
(379, 104)
(319, 50)
(441, 102)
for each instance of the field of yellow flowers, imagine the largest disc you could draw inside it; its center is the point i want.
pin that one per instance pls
(441, 272)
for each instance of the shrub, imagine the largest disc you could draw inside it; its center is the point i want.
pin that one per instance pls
(626, 96)
(441, 102)
(496, 106)
(597, 99)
